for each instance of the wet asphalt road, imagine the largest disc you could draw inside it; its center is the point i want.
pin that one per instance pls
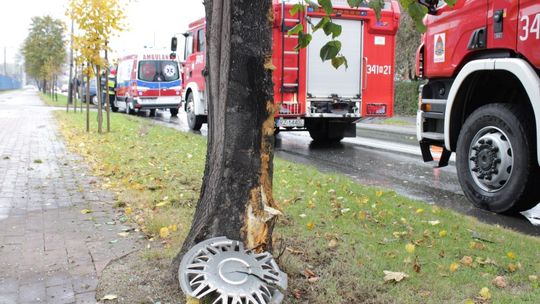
(380, 163)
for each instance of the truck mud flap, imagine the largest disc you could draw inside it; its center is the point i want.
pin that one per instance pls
(428, 157)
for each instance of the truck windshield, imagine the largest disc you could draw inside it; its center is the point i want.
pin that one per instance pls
(158, 70)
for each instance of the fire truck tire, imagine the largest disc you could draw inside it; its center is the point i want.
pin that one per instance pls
(152, 112)
(320, 132)
(194, 121)
(174, 112)
(129, 110)
(496, 159)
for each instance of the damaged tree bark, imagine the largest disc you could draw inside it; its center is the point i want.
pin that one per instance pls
(236, 196)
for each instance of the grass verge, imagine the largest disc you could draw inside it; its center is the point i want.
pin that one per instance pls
(61, 102)
(337, 237)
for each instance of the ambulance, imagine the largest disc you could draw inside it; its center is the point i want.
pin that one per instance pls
(148, 80)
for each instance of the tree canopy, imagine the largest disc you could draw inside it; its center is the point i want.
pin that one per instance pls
(44, 48)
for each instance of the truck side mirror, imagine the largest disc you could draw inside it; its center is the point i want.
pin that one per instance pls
(431, 5)
(174, 44)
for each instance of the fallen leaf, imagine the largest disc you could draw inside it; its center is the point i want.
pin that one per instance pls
(86, 211)
(128, 210)
(434, 223)
(308, 273)
(442, 233)
(533, 278)
(38, 161)
(453, 267)
(391, 276)
(499, 282)
(466, 260)
(113, 241)
(477, 245)
(123, 234)
(485, 294)
(410, 248)
(468, 301)
(333, 244)
(313, 279)
(511, 255)
(164, 232)
(417, 267)
(419, 211)
(310, 225)
(164, 203)
(378, 193)
(109, 297)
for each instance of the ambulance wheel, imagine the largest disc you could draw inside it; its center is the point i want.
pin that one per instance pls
(194, 121)
(496, 158)
(174, 112)
(320, 132)
(152, 112)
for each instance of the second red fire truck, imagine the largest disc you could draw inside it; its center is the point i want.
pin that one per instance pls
(482, 99)
(311, 94)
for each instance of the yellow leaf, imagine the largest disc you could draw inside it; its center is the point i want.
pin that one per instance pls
(164, 232)
(511, 255)
(469, 301)
(434, 223)
(453, 267)
(310, 225)
(173, 227)
(410, 248)
(379, 193)
(419, 211)
(164, 203)
(442, 233)
(512, 267)
(533, 278)
(485, 294)
(362, 215)
(86, 211)
(128, 211)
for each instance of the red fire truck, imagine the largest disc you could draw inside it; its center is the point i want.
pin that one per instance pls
(311, 94)
(482, 99)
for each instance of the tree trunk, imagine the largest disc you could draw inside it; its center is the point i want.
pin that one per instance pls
(87, 102)
(99, 99)
(236, 197)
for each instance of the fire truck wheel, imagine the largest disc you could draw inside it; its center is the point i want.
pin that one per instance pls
(496, 158)
(174, 112)
(152, 112)
(194, 121)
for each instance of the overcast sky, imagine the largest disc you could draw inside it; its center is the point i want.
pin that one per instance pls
(149, 22)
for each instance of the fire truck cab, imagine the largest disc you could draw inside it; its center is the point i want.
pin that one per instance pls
(482, 98)
(311, 94)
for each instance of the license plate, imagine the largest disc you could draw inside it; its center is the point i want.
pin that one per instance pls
(285, 123)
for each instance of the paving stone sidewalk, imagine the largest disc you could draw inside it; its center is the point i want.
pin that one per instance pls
(50, 252)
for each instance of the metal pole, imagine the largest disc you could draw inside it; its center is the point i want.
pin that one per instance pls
(5, 62)
(70, 84)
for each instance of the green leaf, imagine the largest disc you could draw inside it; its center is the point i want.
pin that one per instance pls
(417, 13)
(296, 29)
(339, 61)
(377, 6)
(303, 40)
(450, 2)
(321, 23)
(312, 4)
(330, 50)
(327, 6)
(332, 28)
(297, 8)
(354, 3)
